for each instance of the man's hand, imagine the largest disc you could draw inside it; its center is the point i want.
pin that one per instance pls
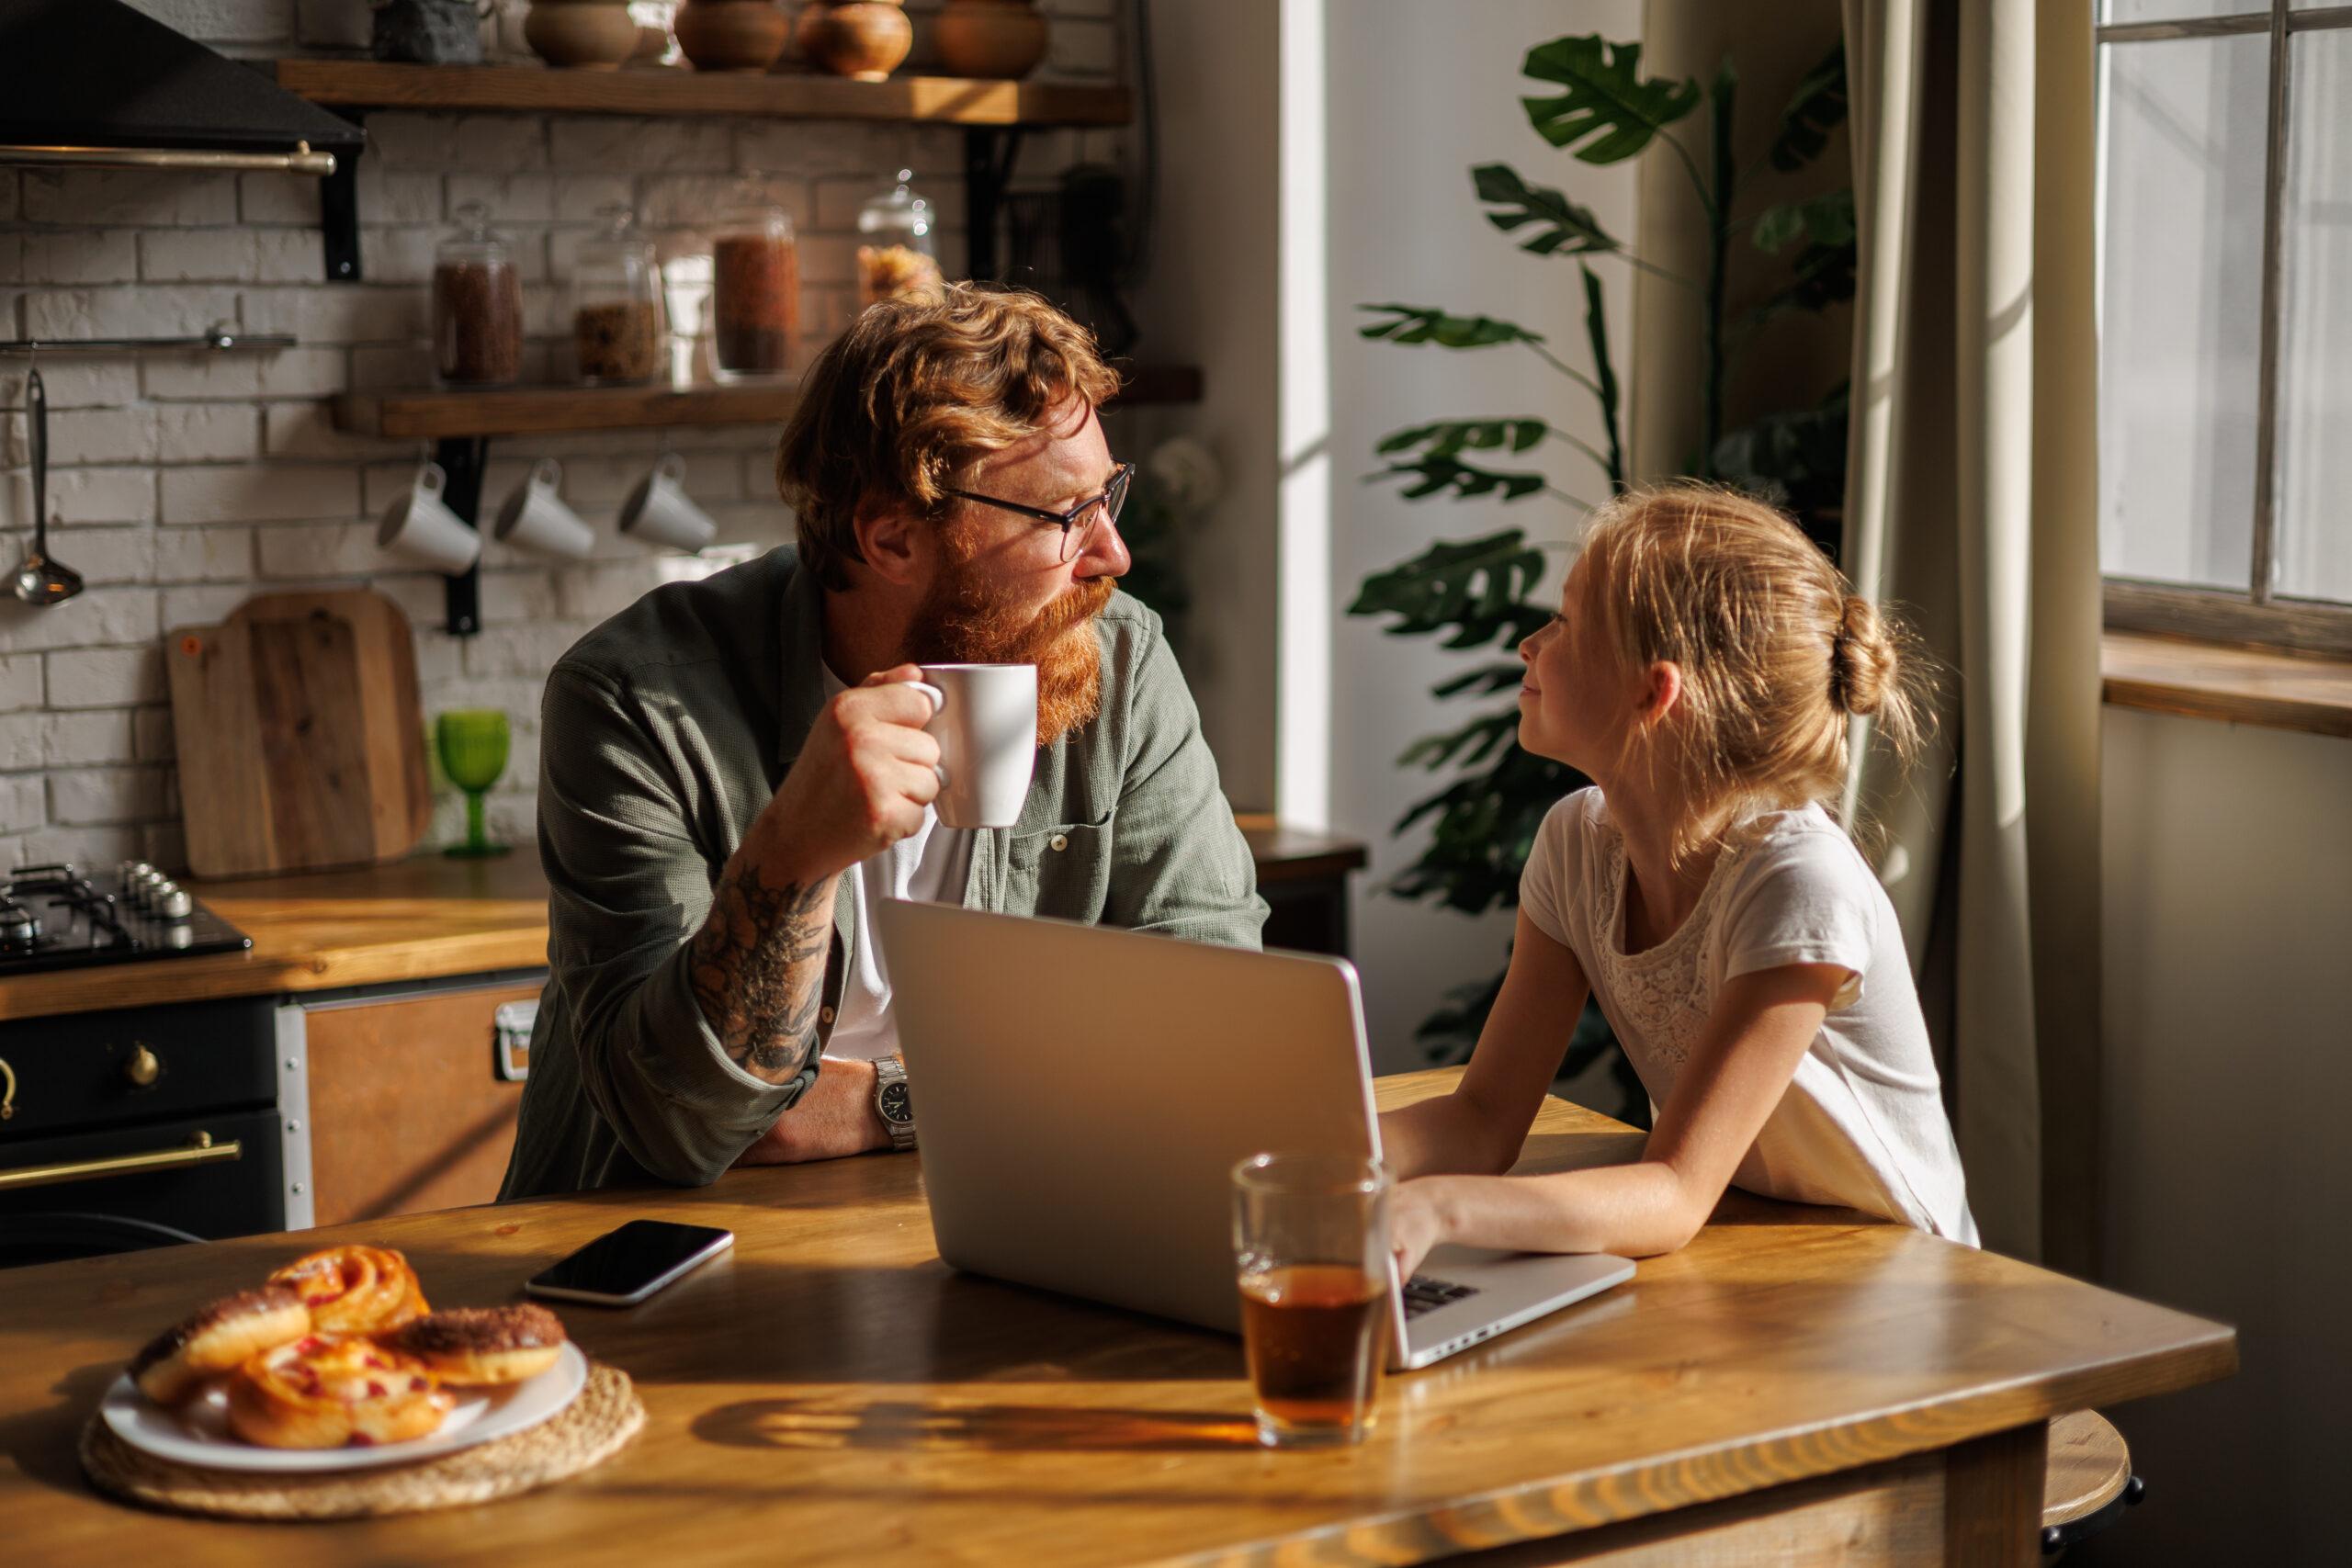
(836, 1117)
(861, 782)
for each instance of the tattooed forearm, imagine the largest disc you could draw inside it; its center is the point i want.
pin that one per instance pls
(759, 968)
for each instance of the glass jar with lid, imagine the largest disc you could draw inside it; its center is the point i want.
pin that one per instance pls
(755, 287)
(477, 306)
(896, 254)
(616, 305)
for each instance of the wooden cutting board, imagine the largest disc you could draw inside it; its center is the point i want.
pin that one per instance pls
(300, 734)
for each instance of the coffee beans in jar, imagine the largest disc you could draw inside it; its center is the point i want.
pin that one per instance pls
(477, 306)
(620, 341)
(755, 289)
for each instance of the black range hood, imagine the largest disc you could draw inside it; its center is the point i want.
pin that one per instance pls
(94, 82)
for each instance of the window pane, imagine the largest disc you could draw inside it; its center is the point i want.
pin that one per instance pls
(2314, 515)
(2180, 301)
(2111, 12)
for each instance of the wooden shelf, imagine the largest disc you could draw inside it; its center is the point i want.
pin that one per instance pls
(545, 411)
(539, 89)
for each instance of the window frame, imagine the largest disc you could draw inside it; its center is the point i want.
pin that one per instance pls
(2256, 615)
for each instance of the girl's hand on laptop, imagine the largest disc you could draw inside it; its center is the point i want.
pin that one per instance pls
(1414, 1225)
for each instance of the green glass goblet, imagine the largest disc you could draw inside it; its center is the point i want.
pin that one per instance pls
(472, 744)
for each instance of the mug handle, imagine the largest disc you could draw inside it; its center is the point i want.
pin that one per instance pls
(938, 702)
(673, 467)
(546, 474)
(431, 480)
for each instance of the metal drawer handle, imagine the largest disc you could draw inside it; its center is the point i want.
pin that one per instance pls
(7, 1089)
(200, 1150)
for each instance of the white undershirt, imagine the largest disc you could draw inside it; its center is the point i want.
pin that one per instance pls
(931, 866)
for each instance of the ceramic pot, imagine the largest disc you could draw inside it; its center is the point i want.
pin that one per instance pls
(581, 37)
(998, 38)
(864, 40)
(730, 35)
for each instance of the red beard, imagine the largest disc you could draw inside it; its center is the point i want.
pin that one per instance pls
(965, 621)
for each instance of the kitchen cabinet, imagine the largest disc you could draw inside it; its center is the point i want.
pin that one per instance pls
(412, 1103)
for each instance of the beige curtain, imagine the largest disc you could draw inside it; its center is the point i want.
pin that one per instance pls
(1971, 501)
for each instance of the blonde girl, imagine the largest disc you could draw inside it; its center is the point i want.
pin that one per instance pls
(1701, 670)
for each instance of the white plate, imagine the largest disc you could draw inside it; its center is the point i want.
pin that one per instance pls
(198, 1433)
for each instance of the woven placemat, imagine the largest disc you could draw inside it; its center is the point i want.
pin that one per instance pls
(582, 1435)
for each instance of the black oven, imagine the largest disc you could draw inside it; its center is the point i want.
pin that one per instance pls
(158, 1122)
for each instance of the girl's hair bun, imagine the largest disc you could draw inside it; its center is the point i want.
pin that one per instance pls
(1863, 662)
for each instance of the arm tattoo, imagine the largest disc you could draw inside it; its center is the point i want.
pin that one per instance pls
(759, 969)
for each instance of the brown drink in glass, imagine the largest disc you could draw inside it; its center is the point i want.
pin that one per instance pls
(1311, 1242)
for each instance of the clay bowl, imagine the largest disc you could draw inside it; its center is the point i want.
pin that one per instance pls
(1000, 40)
(730, 35)
(581, 35)
(865, 39)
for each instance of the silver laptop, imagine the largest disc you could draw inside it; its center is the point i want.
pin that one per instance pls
(1084, 1094)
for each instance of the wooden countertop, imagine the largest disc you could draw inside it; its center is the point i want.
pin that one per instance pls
(430, 918)
(831, 1394)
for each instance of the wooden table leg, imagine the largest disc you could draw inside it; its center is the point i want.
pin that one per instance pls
(1993, 1499)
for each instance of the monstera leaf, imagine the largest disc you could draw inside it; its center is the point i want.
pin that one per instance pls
(1824, 219)
(1448, 437)
(1432, 476)
(1817, 108)
(1479, 588)
(1564, 228)
(1426, 323)
(1607, 107)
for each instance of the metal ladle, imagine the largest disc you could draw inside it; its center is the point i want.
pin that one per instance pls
(40, 580)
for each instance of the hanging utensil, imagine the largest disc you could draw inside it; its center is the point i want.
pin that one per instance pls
(40, 580)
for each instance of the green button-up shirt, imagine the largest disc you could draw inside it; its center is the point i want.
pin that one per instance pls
(664, 732)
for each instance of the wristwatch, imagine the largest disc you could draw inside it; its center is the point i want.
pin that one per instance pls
(897, 1112)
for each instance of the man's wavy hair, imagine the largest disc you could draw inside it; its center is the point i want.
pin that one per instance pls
(917, 390)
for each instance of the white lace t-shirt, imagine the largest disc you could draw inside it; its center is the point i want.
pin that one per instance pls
(1862, 1126)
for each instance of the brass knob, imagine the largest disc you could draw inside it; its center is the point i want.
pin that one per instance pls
(200, 1141)
(144, 1066)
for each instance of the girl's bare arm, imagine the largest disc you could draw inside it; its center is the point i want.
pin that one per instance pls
(1480, 1127)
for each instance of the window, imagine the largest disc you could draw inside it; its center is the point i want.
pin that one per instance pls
(2226, 319)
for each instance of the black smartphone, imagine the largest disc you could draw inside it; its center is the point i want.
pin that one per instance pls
(623, 1267)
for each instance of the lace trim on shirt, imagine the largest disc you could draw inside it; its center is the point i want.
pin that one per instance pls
(1661, 988)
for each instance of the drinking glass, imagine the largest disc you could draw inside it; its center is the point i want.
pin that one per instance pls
(1310, 1241)
(472, 744)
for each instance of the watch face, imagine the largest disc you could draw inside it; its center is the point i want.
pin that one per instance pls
(895, 1105)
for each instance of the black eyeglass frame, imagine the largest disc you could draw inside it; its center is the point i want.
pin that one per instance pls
(1111, 498)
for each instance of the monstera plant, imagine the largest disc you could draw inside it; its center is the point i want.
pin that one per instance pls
(1598, 107)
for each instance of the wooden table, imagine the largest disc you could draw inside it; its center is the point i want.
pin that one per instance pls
(833, 1394)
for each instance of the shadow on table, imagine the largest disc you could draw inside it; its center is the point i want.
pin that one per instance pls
(45, 1443)
(995, 1429)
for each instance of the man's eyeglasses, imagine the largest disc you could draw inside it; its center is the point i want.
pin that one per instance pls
(1078, 525)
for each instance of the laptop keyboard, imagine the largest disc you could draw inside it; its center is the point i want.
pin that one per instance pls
(1425, 1294)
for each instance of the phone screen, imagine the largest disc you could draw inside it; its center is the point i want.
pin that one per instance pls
(624, 1262)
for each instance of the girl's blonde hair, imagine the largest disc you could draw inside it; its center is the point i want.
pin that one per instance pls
(1776, 654)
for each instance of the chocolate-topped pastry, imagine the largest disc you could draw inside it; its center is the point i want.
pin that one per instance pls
(217, 1336)
(476, 1346)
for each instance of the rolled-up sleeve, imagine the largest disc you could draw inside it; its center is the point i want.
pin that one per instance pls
(1180, 866)
(629, 887)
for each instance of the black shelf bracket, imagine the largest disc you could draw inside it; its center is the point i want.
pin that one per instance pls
(339, 212)
(461, 458)
(988, 154)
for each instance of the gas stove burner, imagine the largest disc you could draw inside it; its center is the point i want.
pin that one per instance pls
(54, 917)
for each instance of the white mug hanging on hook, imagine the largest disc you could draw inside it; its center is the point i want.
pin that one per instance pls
(659, 511)
(535, 517)
(418, 527)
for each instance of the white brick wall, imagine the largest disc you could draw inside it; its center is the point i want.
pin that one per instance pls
(184, 484)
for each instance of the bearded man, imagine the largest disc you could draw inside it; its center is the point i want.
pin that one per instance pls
(734, 772)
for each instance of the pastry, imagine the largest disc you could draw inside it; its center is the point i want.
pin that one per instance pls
(226, 1334)
(477, 1347)
(324, 1391)
(354, 1290)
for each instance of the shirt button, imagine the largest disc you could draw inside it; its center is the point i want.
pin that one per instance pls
(1059, 841)
(826, 1016)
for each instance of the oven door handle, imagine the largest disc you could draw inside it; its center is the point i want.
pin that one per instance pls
(200, 1150)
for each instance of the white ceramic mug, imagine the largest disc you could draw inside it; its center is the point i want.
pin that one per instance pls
(658, 511)
(418, 527)
(985, 716)
(536, 518)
